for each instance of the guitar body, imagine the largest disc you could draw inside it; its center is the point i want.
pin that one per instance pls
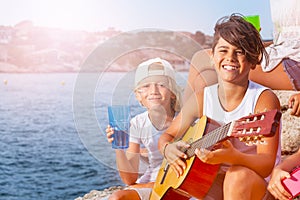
(197, 177)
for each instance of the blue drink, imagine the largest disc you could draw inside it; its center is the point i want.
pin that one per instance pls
(119, 119)
(121, 139)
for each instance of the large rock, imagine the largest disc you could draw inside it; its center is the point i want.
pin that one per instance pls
(290, 134)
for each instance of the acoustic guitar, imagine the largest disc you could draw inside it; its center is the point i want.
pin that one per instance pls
(205, 133)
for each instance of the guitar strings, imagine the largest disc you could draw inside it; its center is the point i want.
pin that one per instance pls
(208, 139)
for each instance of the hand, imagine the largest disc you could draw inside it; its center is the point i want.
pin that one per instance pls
(175, 156)
(275, 187)
(223, 153)
(109, 132)
(294, 104)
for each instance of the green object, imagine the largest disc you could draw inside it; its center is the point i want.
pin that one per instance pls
(254, 20)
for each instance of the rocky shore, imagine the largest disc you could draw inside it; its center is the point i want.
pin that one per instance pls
(99, 195)
(290, 141)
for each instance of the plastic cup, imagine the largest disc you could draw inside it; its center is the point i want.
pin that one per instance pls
(254, 20)
(119, 119)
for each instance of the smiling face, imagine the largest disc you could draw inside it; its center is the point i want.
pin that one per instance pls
(231, 63)
(154, 92)
(242, 34)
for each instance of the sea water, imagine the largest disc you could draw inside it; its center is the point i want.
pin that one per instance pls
(53, 144)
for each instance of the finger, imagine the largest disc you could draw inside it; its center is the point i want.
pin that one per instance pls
(227, 144)
(279, 191)
(297, 109)
(178, 150)
(291, 101)
(181, 154)
(294, 110)
(180, 167)
(172, 153)
(109, 133)
(182, 145)
(297, 114)
(174, 159)
(181, 164)
(294, 104)
(175, 170)
(273, 190)
(110, 140)
(177, 167)
(283, 192)
(202, 154)
(109, 129)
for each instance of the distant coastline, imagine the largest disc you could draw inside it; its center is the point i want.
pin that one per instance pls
(25, 48)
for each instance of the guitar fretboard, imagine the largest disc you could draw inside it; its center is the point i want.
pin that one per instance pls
(209, 139)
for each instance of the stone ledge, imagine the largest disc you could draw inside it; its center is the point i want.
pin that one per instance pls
(98, 195)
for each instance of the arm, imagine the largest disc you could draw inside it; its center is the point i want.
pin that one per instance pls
(191, 110)
(267, 43)
(266, 153)
(189, 88)
(201, 73)
(127, 162)
(280, 172)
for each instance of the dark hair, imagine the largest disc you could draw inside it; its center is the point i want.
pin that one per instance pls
(242, 34)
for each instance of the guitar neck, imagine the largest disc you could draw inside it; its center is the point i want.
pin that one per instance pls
(208, 140)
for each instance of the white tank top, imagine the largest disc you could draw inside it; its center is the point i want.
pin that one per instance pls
(213, 110)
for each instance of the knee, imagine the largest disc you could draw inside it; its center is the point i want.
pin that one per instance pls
(239, 176)
(242, 181)
(117, 195)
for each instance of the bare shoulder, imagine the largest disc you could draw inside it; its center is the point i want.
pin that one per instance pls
(202, 59)
(267, 101)
(193, 107)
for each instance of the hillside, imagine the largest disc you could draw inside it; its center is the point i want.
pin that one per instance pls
(27, 48)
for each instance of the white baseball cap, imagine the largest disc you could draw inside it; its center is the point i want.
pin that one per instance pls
(153, 67)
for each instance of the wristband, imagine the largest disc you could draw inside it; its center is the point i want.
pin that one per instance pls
(164, 149)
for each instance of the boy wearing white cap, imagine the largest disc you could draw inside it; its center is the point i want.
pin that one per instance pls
(157, 91)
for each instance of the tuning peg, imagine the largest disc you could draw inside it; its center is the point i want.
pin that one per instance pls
(244, 131)
(263, 142)
(242, 139)
(258, 129)
(249, 143)
(251, 130)
(256, 140)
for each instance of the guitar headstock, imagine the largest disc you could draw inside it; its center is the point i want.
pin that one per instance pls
(253, 128)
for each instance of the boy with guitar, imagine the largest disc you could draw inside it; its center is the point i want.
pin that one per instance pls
(237, 49)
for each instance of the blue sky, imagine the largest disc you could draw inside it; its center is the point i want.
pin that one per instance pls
(128, 15)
